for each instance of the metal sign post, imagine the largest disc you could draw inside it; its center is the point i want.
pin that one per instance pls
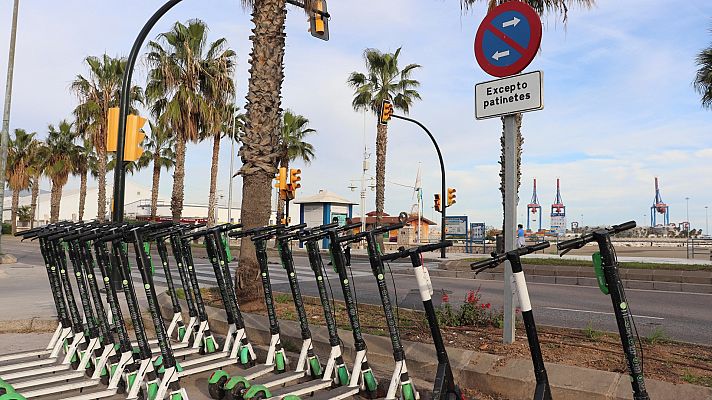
(507, 41)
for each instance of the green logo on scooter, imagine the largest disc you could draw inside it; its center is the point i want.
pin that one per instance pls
(380, 277)
(623, 305)
(147, 286)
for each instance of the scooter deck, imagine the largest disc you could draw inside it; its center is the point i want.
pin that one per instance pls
(53, 378)
(25, 354)
(34, 372)
(277, 380)
(301, 389)
(27, 364)
(209, 365)
(81, 384)
(341, 392)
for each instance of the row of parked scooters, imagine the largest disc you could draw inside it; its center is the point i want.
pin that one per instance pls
(92, 355)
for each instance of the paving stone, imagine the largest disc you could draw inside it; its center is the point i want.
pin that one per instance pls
(640, 274)
(542, 278)
(668, 286)
(638, 284)
(659, 390)
(699, 277)
(568, 382)
(567, 280)
(583, 281)
(662, 275)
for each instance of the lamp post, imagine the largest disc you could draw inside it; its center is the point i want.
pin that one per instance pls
(362, 201)
(707, 222)
(443, 190)
(687, 207)
(5, 132)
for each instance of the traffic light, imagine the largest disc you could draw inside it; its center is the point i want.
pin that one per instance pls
(437, 203)
(134, 137)
(294, 178)
(451, 196)
(281, 178)
(112, 128)
(386, 112)
(318, 23)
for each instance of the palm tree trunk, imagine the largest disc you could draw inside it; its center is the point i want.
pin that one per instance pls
(381, 143)
(101, 173)
(33, 202)
(54, 202)
(156, 182)
(82, 194)
(13, 212)
(178, 180)
(259, 149)
(283, 163)
(520, 142)
(212, 198)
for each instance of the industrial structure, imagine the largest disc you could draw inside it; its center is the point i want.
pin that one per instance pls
(558, 213)
(659, 207)
(534, 210)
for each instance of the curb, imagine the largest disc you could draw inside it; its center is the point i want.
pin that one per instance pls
(31, 325)
(491, 374)
(667, 280)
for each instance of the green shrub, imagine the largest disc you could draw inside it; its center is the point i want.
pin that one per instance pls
(6, 229)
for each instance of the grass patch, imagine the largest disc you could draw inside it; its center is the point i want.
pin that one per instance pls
(592, 333)
(586, 263)
(657, 336)
(697, 380)
(282, 298)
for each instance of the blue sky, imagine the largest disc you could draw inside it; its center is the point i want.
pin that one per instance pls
(619, 104)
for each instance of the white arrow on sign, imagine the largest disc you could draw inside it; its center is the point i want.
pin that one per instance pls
(500, 54)
(513, 22)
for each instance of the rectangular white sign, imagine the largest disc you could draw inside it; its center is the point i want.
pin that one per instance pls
(513, 94)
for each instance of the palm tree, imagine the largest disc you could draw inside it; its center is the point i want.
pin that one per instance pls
(158, 150)
(175, 93)
(97, 93)
(261, 137)
(63, 155)
(86, 159)
(39, 154)
(703, 79)
(19, 157)
(218, 88)
(383, 80)
(292, 145)
(541, 7)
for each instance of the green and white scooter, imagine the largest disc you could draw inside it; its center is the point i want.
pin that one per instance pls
(221, 384)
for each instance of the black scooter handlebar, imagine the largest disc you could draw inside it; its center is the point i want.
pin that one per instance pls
(500, 258)
(403, 252)
(579, 242)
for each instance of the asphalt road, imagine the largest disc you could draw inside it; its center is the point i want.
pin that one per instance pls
(681, 316)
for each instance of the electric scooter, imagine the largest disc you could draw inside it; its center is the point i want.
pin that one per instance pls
(335, 372)
(609, 281)
(308, 363)
(221, 384)
(64, 328)
(237, 349)
(64, 331)
(79, 354)
(542, 391)
(400, 380)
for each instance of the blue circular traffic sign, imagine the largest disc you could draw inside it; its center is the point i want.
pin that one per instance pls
(508, 39)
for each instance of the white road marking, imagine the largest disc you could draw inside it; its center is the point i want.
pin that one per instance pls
(599, 312)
